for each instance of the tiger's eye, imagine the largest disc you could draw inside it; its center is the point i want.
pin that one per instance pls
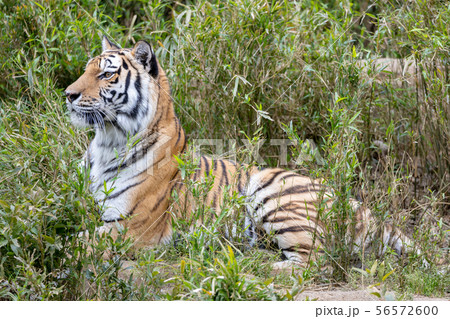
(108, 74)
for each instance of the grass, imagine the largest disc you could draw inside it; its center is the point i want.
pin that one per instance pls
(243, 70)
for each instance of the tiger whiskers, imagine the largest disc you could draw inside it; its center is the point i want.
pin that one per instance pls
(99, 119)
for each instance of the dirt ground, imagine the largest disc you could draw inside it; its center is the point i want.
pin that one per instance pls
(353, 295)
(325, 293)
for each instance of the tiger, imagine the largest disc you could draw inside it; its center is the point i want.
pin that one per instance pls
(125, 96)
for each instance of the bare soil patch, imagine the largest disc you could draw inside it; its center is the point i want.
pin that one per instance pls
(354, 295)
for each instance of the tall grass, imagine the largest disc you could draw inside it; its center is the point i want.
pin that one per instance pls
(240, 70)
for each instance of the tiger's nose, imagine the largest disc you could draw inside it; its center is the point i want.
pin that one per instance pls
(72, 96)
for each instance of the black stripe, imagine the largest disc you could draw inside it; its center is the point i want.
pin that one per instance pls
(101, 93)
(134, 112)
(224, 174)
(127, 81)
(159, 201)
(177, 172)
(214, 200)
(288, 209)
(298, 189)
(177, 128)
(124, 64)
(109, 99)
(153, 66)
(281, 219)
(239, 177)
(125, 189)
(159, 222)
(177, 183)
(289, 217)
(197, 171)
(131, 212)
(132, 65)
(295, 229)
(137, 84)
(118, 219)
(243, 179)
(206, 165)
(300, 246)
(290, 175)
(151, 140)
(295, 249)
(268, 182)
(114, 168)
(115, 80)
(125, 92)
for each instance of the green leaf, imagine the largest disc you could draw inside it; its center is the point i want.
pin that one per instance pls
(49, 239)
(268, 281)
(374, 268)
(361, 271)
(3, 242)
(182, 266)
(376, 294)
(179, 160)
(15, 249)
(388, 274)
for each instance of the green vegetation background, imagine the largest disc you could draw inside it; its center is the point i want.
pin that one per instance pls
(238, 69)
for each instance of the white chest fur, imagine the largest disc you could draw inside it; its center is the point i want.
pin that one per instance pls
(105, 155)
(117, 170)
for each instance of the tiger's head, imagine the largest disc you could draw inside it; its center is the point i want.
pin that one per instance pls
(119, 89)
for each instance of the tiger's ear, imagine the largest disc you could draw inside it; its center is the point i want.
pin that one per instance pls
(108, 45)
(143, 54)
